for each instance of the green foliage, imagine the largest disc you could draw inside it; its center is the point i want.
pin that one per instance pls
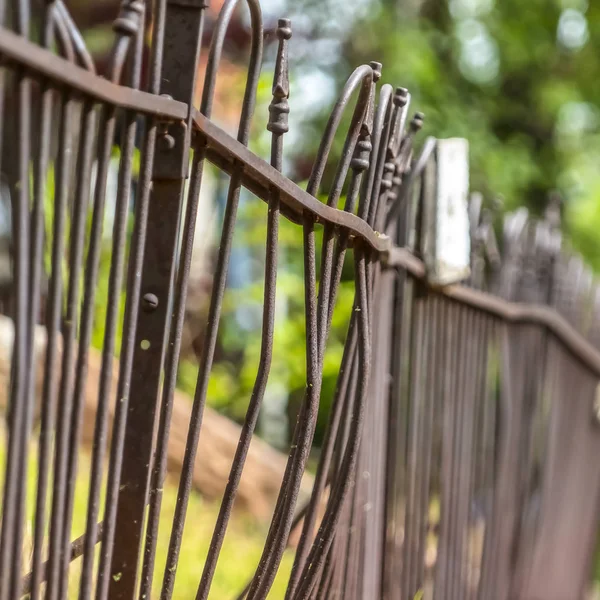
(519, 80)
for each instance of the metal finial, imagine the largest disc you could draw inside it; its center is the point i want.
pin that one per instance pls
(362, 150)
(279, 108)
(417, 122)
(128, 21)
(400, 97)
(388, 172)
(376, 66)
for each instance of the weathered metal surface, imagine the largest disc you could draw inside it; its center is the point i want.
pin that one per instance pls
(456, 456)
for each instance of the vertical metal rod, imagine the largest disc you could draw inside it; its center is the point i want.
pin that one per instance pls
(105, 140)
(266, 571)
(442, 576)
(69, 331)
(178, 26)
(219, 280)
(136, 253)
(37, 243)
(278, 125)
(340, 404)
(106, 134)
(115, 284)
(424, 448)
(11, 535)
(37, 268)
(340, 490)
(414, 391)
(142, 209)
(160, 461)
(362, 76)
(55, 302)
(488, 469)
(180, 295)
(333, 569)
(333, 254)
(456, 531)
(202, 386)
(353, 556)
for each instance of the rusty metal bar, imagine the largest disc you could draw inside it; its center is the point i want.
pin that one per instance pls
(259, 177)
(278, 125)
(512, 312)
(151, 286)
(16, 49)
(220, 271)
(76, 548)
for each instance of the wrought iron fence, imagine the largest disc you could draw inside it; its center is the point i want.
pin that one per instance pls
(477, 402)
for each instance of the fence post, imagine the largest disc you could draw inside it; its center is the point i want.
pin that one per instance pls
(182, 40)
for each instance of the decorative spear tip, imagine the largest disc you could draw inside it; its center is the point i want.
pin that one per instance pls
(279, 107)
(128, 20)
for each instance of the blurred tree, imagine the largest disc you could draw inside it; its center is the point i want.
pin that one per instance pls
(520, 80)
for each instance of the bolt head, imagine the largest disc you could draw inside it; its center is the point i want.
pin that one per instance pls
(150, 302)
(167, 142)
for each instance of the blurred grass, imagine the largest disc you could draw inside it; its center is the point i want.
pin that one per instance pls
(238, 559)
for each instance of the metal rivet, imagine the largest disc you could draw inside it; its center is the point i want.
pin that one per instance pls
(167, 142)
(150, 302)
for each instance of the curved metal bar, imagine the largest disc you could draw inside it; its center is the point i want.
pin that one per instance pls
(382, 182)
(406, 185)
(220, 277)
(214, 58)
(16, 49)
(356, 154)
(359, 132)
(63, 38)
(381, 134)
(278, 125)
(126, 27)
(303, 434)
(324, 538)
(259, 177)
(61, 13)
(363, 77)
(37, 235)
(340, 405)
(362, 160)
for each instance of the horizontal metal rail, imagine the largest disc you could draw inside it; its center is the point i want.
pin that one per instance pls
(17, 49)
(511, 312)
(260, 177)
